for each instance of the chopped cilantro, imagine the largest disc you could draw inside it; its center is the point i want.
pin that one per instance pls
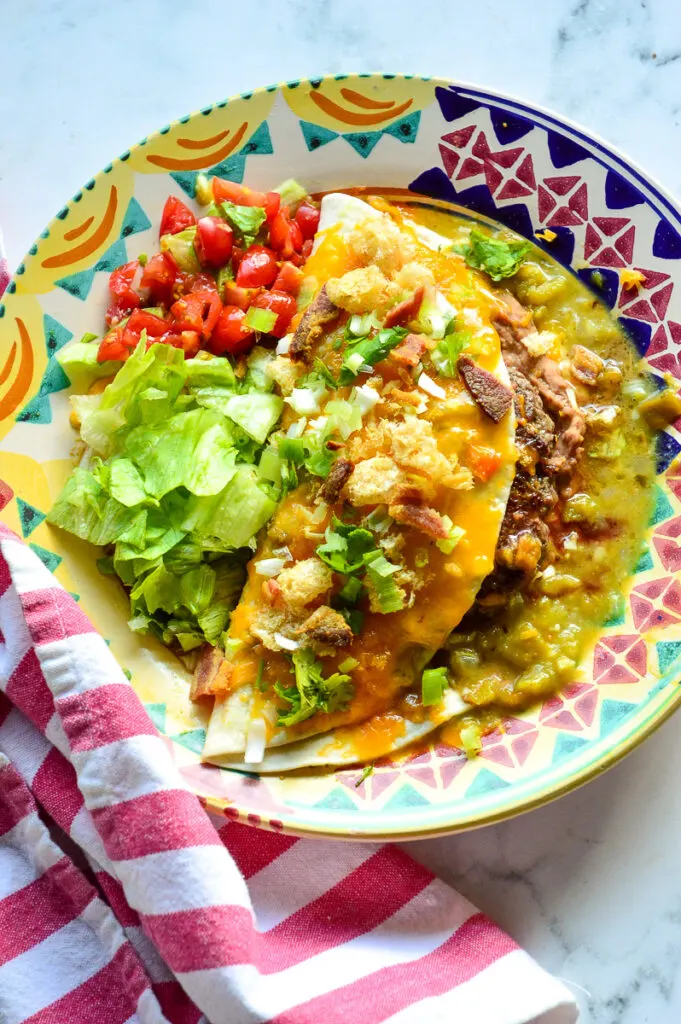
(496, 257)
(345, 547)
(319, 374)
(446, 353)
(245, 220)
(309, 451)
(434, 682)
(354, 619)
(312, 692)
(369, 351)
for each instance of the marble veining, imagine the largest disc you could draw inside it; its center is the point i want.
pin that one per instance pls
(590, 884)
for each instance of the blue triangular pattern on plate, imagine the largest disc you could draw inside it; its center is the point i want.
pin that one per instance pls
(609, 286)
(316, 136)
(645, 562)
(78, 285)
(29, 517)
(667, 242)
(453, 104)
(613, 713)
(363, 142)
(562, 247)
(666, 450)
(667, 653)
(135, 219)
(563, 151)
(54, 379)
(260, 141)
(114, 256)
(639, 332)
(406, 129)
(232, 168)
(509, 127)
(485, 782)
(620, 194)
(566, 746)
(48, 558)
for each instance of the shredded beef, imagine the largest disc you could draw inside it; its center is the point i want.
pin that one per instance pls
(340, 473)
(491, 394)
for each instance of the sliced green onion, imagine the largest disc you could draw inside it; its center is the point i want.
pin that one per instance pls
(262, 320)
(348, 665)
(455, 535)
(434, 682)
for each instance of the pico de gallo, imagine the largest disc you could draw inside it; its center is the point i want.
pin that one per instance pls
(220, 279)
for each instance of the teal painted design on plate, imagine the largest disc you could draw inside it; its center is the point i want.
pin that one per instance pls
(29, 517)
(260, 141)
(406, 129)
(194, 739)
(566, 745)
(157, 713)
(135, 219)
(316, 136)
(336, 800)
(667, 653)
(48, 558)
(662, 509)
(485, 782)
(363, 142)
(645, 561)
(38, 409)
(78, 285)
(232, 168)
(406, 796)
(114, 256)
(613, 713)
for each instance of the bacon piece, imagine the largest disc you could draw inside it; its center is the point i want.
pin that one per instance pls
(405, 311)
(341, 471)
(212, 674)
(422, 518)
(320, 312)
(491, 394)
(410, 351)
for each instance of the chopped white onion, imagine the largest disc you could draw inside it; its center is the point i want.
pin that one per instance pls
(354, 362)
(284, 553)
(296, 428)
(304, 401)
(269, 566)
(365, 397)
(428, 385)
(270, 714)
(255, 741)
(319, 423)
(319, 513)
(285, 643)
(283, 345)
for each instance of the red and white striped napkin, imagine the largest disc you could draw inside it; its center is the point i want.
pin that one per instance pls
(122, 901)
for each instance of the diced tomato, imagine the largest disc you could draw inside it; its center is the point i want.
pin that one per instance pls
(307, 219)
(159, 277)
(140, 321)
(285, 235)
(234, 295)
(113, 347)
(175, 217)
(258, 268)
(237, 255)
(116, 312)
(197, 311)
(120, 286)
(239, 194)
(202, 283)
(483, 462)
(289, 279)
(272, 204)
(281, 303)
(188, 341)
(306, 251)
(230, 333)
(214, 241)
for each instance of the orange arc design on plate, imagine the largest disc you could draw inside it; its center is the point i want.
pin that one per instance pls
(350, 117)
(203, 143)
(169, 163)
(363, 101)
(16, 393)
(86, 248)
(77, 232)
(7, 368)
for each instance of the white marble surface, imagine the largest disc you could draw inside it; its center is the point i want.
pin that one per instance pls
(591, 884)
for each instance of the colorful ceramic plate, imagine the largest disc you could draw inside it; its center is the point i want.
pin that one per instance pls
(446, 142)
